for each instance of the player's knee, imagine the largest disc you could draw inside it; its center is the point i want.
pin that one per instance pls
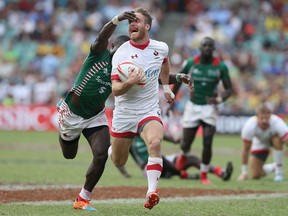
(256, 175)
(154, 145)
(68, 155)
(118, 162)
(69, 148)
(100, 159)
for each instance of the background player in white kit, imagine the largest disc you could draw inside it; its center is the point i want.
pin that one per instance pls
(259, 133)
(137, 107)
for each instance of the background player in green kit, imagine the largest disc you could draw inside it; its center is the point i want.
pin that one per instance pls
(201, 110)
(83, 108)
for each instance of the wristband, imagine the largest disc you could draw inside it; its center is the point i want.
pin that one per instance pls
(219, 99)
(115, 20)
(178, 79)
(168, 90)
(244, 169)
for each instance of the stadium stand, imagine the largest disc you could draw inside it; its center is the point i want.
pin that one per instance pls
(44, 42)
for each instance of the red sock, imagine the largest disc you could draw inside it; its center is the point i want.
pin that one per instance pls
(79, 198)
(218, 171)
(184, 174)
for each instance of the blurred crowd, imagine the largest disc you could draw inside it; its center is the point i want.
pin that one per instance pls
(44, 42)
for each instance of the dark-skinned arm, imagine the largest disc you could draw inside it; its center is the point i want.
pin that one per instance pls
(101, 41)
(224, 95)
(179, 79)
(228, 89)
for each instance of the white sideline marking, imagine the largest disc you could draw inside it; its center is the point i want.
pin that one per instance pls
(32, 187)
(165, 200)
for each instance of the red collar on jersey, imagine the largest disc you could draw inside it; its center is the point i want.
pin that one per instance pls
(140, 46)
(216, 60)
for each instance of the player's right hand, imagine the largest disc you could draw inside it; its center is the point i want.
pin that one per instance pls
(135, 76)
(243, 177)
(129, 15)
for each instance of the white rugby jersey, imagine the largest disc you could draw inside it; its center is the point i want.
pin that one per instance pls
(261, 138)
(149, 57)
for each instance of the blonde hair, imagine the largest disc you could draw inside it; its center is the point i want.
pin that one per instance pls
(146, 14)
(263, 108)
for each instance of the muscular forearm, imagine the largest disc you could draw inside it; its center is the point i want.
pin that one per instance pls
(244, 159)
(165, 71)
(172, 79)
(106, 31)
(228, 90)
(101, 42)
(226, 94)
(120, 88)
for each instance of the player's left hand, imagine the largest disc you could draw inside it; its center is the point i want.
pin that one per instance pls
(169, 95)
(129, 15)
(186, 79)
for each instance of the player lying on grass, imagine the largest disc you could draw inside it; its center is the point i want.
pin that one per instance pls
(259, 134)
(138, 151)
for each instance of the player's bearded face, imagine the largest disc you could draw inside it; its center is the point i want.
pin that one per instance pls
(263, 120)
(137, 29)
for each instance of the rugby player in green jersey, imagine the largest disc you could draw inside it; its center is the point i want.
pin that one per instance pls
(207, 72)
(83, 108)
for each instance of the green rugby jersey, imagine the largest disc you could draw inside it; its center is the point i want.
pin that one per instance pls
(92, 85)
(205, 76)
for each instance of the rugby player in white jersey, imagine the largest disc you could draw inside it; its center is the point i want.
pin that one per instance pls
(259, 133)
(137, 107)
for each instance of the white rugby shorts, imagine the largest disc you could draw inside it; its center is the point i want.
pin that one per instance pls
(194, 113)
(126, 123)
(258, 146)
(71, 125)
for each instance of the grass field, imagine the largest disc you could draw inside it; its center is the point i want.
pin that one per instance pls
(34, 158)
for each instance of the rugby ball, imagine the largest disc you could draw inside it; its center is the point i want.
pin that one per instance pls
(123, 70)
